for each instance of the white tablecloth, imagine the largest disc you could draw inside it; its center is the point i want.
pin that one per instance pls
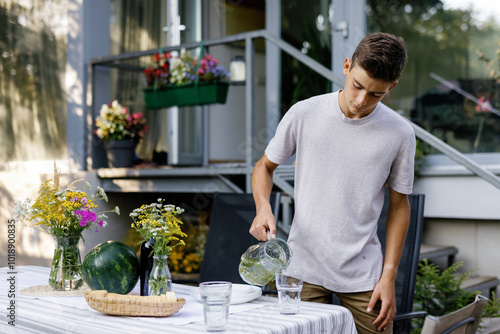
(73, 315)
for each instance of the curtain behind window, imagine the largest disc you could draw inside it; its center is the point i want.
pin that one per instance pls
(32, 68)
(136, 25)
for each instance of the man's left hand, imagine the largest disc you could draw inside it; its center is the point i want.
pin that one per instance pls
(385, 292)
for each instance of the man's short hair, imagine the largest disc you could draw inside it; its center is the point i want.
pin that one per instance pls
(382, 55)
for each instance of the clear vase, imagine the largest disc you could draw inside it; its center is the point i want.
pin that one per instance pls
(160, 280)
(66, 271)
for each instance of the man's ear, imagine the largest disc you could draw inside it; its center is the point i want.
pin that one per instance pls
(347, 66)
(392, 86)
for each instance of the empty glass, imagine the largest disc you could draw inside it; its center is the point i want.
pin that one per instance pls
(215, 297)
(289, 289)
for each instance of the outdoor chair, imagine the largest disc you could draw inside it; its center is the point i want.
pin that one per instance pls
(408, 266)
(229, 236)
(463, 321)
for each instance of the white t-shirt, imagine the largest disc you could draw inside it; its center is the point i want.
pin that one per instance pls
(342, 166)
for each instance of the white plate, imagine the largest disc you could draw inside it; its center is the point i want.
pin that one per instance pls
(241, 293)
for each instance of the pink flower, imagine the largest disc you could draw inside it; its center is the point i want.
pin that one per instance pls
(86, 216)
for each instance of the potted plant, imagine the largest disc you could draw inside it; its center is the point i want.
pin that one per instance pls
(183, 81)
(120, 130)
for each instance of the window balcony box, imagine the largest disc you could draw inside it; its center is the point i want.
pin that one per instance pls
(187, 95)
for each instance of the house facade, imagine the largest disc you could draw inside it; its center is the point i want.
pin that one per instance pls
(450, 88)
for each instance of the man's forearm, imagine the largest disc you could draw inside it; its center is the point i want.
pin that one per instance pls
(396, 227)
(262, 184)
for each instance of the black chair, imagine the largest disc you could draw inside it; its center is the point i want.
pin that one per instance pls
(229, 237)
(408, 266)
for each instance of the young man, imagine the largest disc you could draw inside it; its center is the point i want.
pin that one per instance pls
(348, 146)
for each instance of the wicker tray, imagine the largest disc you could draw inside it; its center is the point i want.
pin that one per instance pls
(134, 306)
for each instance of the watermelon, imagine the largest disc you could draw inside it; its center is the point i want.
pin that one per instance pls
(112, 266)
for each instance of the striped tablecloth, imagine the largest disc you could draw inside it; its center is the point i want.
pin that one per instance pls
(73, 315)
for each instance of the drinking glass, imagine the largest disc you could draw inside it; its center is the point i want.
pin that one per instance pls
(215, 297)
(289, 289)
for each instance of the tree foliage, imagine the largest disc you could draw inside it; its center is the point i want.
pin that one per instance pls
(438, 40)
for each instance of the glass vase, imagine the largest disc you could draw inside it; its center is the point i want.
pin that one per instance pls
(66, 271)
(160, 280)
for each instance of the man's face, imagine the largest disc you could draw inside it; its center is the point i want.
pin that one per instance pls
(361, 93)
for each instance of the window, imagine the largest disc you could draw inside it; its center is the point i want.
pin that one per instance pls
(451, 86)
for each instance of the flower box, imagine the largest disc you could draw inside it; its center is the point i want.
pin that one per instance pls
(186, 95)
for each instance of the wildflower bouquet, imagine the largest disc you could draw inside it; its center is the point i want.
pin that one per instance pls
(63, 212)
(116, 122)
(158, 223)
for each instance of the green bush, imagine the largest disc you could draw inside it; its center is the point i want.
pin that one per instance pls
(438, 292)
(492, 309)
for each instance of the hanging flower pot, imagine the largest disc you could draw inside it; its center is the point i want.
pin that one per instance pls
(187, 95)
(185, 81)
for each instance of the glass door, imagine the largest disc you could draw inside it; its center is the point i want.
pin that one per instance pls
(186, 135)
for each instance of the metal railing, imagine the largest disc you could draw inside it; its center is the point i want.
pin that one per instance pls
(327, 73)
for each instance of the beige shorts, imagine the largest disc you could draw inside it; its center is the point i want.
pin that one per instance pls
(356, 302)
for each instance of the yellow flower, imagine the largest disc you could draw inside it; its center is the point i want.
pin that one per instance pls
(55, 210)
(158, 221)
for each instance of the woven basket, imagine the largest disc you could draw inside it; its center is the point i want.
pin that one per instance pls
(134, 306)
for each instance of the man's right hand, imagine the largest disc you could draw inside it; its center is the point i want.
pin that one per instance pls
(262, 223)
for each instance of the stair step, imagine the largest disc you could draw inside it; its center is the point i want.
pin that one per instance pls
(430, 251)
(489, 326)
(474, 282)
(481, 283)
